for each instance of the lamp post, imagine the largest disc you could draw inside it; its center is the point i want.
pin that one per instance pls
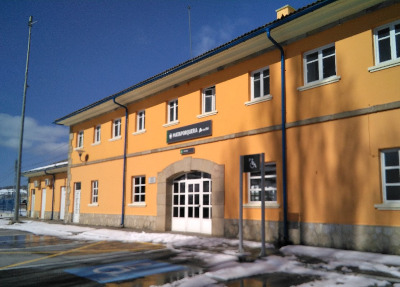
(21, 136)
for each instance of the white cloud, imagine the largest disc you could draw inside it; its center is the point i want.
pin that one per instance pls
(39, 139)
(212, 36)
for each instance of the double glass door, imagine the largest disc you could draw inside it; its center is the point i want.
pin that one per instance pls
(191, 203)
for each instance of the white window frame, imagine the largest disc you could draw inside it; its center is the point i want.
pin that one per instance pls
(263, 75)
(116, 128)
(320, 60)
(257, 203)
(388, 204)
(141, 121)
(204, 97)
(97, 134)
(173, 105)
(95, 193)
(79, 140)
(394, 59)
(138, 189)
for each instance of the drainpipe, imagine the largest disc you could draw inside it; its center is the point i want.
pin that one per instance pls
(283, 128)
(52, 199)
(124, 169)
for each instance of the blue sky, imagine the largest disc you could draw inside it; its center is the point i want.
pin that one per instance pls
(83, 51)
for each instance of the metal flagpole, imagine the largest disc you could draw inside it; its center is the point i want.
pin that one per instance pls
(21, 136)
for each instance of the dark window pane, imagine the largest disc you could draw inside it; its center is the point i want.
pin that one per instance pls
(266, 86)
(206, 199)
(312, 57)
(182, 187)
(392, 158)
(197, 187)
(384, 33)
(397, 42)
(197, 212)
(257, 85)
(194, 175)
(384, 50)
(142, 198)
(206, 186)
(176, 199)
(393, 192)
(208, 104)
(196, 199)
(329, 68)
(190, 199)
(190, 211)
(206, 213)
(176, 212)
(312, 72)
(190, 188)
(393, 176)
(182, 199)
(176, 189)
(270, 195)
(181, 212)
(206, 175)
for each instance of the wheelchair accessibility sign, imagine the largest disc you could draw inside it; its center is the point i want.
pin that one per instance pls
(122, 271)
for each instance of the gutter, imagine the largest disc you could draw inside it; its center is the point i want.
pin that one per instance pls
(268, 29)
(124, 168)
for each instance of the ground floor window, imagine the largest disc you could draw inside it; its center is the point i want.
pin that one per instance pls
(95, 191)
(390, 164)
(139, 189)
(254, 184)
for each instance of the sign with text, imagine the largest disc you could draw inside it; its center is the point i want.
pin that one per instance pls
(252, 163)
(190, 132)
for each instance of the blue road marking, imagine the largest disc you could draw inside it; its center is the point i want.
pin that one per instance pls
(122, 271)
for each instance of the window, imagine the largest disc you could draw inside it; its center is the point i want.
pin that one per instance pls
(319, 64)
(269, 181)
(116, 129)
(173, 111)
(140, 125)
(139, 189)
(95, 191)
(260, 84)
(387, 42)
(208, 100)
(79, 140)
(97, 134)
(390, 163)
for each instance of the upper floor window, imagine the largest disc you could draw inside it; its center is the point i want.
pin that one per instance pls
(208, 100)
(97, 134)
(390, 164)
(387, 42)
(173, 111)
(140, 121)
(319, 64)
(269, 181)
(95, 191)
(79, 140)
(139, 189)
(260, 84)
(116, 128)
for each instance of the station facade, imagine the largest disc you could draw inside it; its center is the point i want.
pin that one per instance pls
(316, 91)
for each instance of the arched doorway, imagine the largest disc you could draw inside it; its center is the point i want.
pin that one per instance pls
(179, 171)
(191, 203)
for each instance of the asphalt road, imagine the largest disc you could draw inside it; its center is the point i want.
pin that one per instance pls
(31, 260)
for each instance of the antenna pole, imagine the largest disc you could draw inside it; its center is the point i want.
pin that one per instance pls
(21, 136)
(190, 34)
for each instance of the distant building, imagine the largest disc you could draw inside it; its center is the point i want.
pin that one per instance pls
(47, 191)
(164, 154)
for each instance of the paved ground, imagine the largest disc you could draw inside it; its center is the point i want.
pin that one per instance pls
(31, 260)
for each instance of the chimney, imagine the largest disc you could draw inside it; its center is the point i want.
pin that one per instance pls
(283, 11)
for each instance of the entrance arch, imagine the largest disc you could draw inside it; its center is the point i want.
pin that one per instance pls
(165, 180)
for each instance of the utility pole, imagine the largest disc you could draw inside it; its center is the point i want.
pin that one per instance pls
(21, 136)
(190, 34)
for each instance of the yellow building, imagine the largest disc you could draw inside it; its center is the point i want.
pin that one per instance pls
(47, 189)
(315, 91)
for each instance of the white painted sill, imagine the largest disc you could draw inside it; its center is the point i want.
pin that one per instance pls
(259, 100)
(95, 144)
(139, 132)
(384, 65)
(207, 114)
(137, 204)
(171, 124)
(115, 139)
(93, 204)
(320, 83)
(78, 148)
(388, 206)
(257, 204)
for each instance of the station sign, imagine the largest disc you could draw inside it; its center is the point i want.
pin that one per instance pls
(190, 132)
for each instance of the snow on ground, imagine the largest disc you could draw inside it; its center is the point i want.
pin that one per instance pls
(329, 267)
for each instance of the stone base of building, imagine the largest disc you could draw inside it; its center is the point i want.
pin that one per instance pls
(379, 239)
(131, 221)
